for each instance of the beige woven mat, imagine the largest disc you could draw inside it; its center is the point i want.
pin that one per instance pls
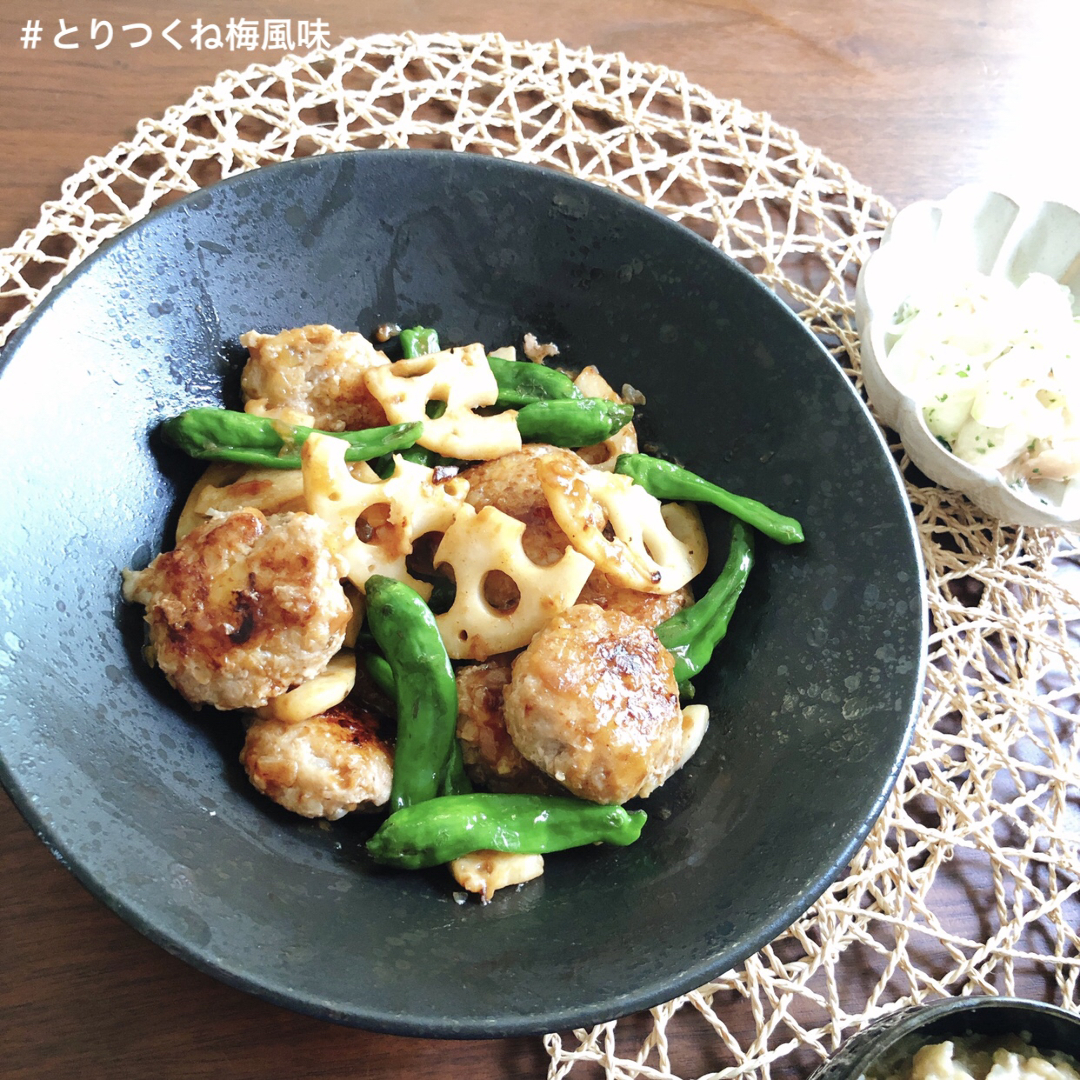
(969, 882)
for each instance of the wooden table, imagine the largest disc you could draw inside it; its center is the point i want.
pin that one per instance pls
(913, 96)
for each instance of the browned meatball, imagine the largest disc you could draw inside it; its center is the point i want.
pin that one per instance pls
(325, 766)
(510, 484)
(490, 757)
(651, 609)
(317, 370)
(244, 607)
(593, 702)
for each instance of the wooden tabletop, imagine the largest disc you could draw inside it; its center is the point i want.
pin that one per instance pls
(913, 96)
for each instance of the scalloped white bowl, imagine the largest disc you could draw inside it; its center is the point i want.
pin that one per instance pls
(972, 229)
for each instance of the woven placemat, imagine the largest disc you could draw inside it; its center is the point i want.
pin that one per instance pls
(989, 797)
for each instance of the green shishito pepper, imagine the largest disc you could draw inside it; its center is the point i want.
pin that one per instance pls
(226, 435)
(666, 481)
(378, 667)
(691, 635)
(435, 832)
(522, 382)
(454, 781)
(424, 688)
(577, 422)
(418, 341)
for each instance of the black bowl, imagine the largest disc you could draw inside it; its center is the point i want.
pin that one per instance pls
(881, 1047)
(812, 698)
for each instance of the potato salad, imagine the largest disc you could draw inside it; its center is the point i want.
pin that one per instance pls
(996, 370)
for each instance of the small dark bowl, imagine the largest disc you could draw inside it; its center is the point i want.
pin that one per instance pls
(813, 695)
(891, 1039)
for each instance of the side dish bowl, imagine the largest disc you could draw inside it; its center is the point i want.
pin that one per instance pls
(971, 230)
(877, 1050)
(813, 698)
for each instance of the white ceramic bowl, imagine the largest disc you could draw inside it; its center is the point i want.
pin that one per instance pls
(972, 229)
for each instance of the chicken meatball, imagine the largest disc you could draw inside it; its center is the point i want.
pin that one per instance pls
(511, 484)
(323, 767)
(651, 609)
(593, 702)
(316, 370)
(244, 607)
(490, 757)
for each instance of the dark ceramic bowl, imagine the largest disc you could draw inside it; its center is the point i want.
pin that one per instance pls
(887, 1042)
(812, 698)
